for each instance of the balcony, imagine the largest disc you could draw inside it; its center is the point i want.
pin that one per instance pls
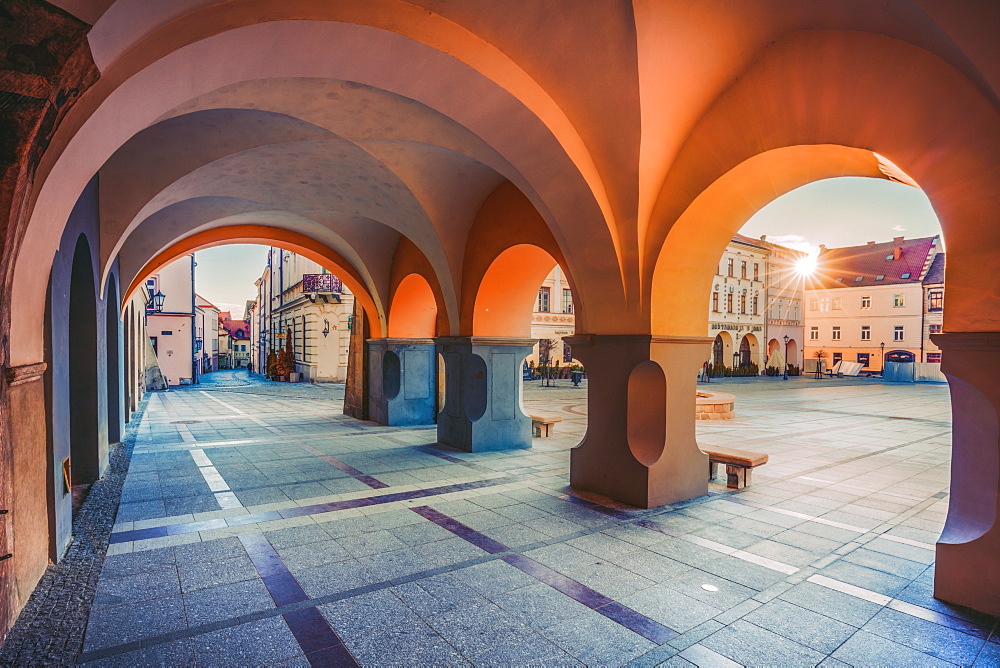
(321, 284)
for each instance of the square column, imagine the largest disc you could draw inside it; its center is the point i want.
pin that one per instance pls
(402, 381)
(482, 399)
(967, 570)
(640, 446)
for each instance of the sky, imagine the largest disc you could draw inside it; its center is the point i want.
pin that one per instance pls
(225, 275)
(847, 211)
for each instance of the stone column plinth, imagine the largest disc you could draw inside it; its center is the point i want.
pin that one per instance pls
(968, 553)
(640, 446)
(402, 381)
(482, 399)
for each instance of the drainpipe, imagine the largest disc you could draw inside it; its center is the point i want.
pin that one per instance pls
(195, 367)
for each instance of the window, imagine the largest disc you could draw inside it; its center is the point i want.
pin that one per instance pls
(897, 333)
(835, 334)
(936, 300)
(880, 277)
(934, 358)
(906, 275)
(543, 300)
(755, 304)
(715, 302)
(866, 333)
(824, 304)
(756, 271)
(743, 303)
(732, 271)
(863, 359)
(814, 304)
(837, 357)
(897, 301)
(935, 329)
(838, 303)
(866, 302)
(567, 302)
(729, 303)
(814, 333)
(743, 269)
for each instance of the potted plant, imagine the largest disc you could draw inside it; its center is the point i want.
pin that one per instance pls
(271, 368)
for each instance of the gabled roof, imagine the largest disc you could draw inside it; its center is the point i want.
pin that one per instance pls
(874, 264)
(750, 241)
(202, 302)
(936, 273)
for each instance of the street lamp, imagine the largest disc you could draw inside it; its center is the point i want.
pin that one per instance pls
(882, 346)
(786, 357)
(736, 362)
(156, 301)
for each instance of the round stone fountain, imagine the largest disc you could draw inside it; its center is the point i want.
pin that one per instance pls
(715, 406)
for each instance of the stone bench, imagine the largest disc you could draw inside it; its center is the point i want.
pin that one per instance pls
(543, 425)
(739, 464)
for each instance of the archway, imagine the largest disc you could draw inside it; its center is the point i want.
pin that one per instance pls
(84, 461)
(508, 292)
(113, 338)
(722, 349)
(746, 351)
(413, 313)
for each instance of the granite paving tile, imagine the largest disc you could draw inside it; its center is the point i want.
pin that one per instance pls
(945, 643)
(866, 649)
(752, 645)
(226, 601)
(594, 639)
(263, 642)
(803, 626)
(123, 624)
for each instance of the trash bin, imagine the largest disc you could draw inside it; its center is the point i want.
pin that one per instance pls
(577, 377)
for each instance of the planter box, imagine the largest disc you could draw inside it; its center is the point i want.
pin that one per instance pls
(294, 377)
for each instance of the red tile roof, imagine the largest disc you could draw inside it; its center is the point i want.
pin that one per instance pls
(874, 264)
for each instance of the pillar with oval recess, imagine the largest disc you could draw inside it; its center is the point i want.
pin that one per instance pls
(402, 381)
(640, 446)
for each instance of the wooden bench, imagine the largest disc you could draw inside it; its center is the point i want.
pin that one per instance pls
(543, 425)
(739, 464)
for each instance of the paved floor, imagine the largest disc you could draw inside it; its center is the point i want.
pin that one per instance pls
(259, 526)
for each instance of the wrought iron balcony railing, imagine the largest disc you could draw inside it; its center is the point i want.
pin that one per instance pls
(321, 284)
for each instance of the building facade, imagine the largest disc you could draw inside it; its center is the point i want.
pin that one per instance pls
(737, 305)
(172, 331)
(206, 341)
(933, 308)
(868, 304)
(297, 296)
(551, 320)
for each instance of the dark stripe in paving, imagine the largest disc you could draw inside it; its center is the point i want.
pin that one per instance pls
(431, 450)
(319, 642)
(346, 468)
(613, 610)
(302, 511)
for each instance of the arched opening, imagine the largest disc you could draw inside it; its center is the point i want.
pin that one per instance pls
(509, 291)
(84, 460)
(722, 349)
(413, 312)
(746, 351)
(113, 338)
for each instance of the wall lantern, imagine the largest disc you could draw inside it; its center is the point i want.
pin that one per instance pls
(158, 301)
(326, 327)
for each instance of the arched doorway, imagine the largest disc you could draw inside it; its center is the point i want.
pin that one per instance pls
(114, 370)
(84, 461)
(745, 352)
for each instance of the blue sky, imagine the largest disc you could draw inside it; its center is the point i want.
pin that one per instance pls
(837, 212)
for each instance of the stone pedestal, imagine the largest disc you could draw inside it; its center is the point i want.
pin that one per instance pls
(402, 381)
(640, 446)
(482, 398)
(967, 571)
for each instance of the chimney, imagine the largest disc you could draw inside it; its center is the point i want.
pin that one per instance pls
(897, 240)
(871, 243)
(763, 237)
(822, 248)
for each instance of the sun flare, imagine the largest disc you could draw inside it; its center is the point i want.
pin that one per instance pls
(806, 266)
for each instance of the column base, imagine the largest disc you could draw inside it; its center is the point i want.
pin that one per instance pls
(482, 404)
(402, 382)
(640, 445)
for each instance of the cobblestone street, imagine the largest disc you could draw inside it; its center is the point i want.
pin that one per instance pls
(257, 525)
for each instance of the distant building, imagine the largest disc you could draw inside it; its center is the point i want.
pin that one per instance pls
(296, 295)
(863, 300)
(933, 307)
(238, 336)
(172, 328)
(206, 338)
(553, 319)
(737, 305)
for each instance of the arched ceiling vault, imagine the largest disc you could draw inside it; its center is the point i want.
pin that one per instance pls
(610, 122)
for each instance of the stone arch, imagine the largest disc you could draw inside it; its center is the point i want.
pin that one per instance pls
(722, 349)
(413, 313)
(793, 353)
(113, 341)
(508, 290)
(83, 368)
(279, 237)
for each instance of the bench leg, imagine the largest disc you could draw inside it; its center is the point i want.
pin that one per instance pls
(536, 429)
(713, 470)
(546, 430)
(737, 477)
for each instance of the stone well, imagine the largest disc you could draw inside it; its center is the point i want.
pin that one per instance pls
(715, 406)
